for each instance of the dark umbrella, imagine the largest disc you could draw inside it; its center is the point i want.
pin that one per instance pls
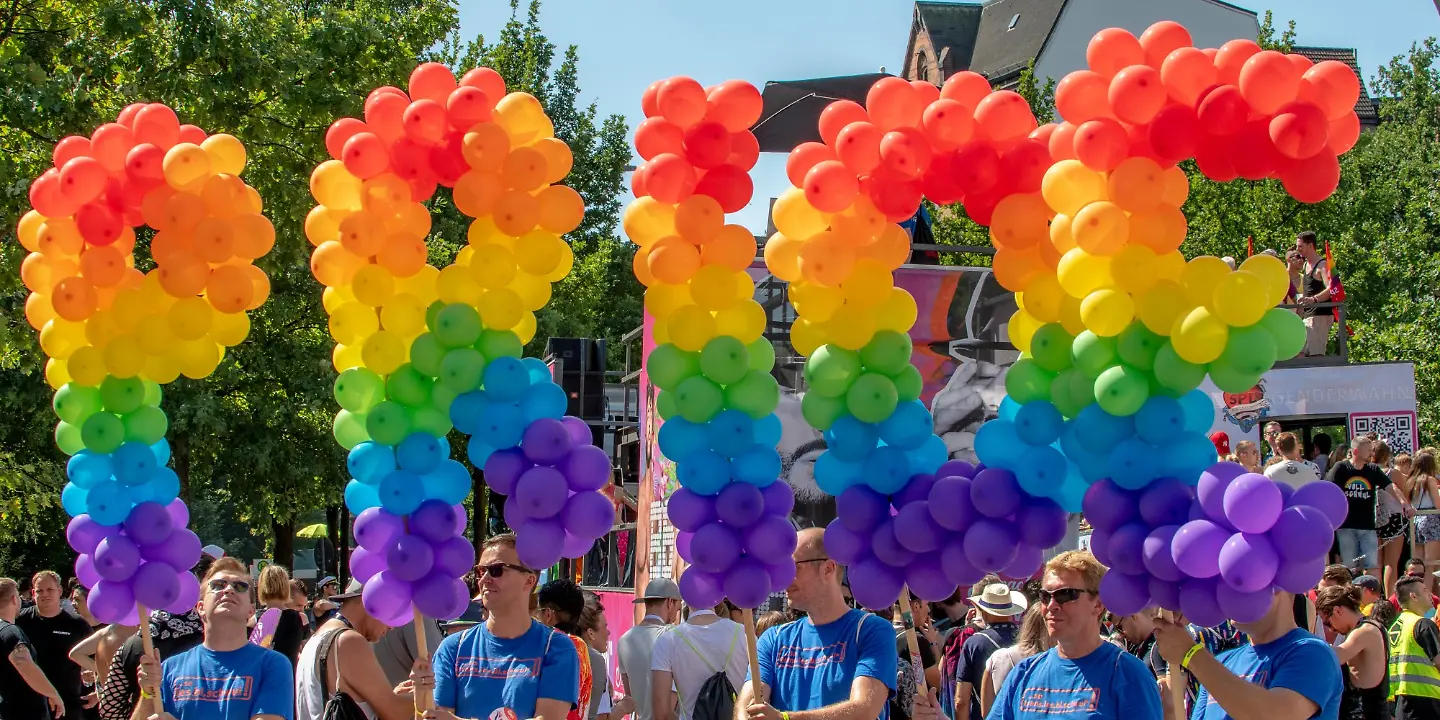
(791, 113)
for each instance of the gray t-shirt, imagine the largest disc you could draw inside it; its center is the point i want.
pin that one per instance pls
(600, 685)
(396, 650)
(635, 647)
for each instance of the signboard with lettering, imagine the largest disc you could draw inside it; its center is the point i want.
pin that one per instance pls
(1381, 395)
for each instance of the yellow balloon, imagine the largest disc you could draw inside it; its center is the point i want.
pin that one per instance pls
(744, 321)
(660, 332)
(483, 231)
(87, 365)
(806, 337)
(227, 154)
(1060, 234)
(1240, 299)
(1101, 228)
(851, 328)
(351, 323)
(346, 357)
(161, 369)
(691, 327)
(463, 257)
(1043, 297)
(101, 326)
(744, 285)
(383, 352)
(1200, 278)
(373, 285)
(456, 285)
(334, 187)
(533, 292)
(1068, 186)
(1199, 337)
(713, 287)
(1162, 306)
(56, 373)
(782, 256)
(154, 334)
(1134, 269)
(562, 268)
(538, 252)
(423, 285)
(1271, 270)
(816, 303)
(501, 309)
(185, 164)
(868, 285)
(647, 220)
(123, 356)
(60, 338)
(898, 312)
(523, 118)
(1070, 315)
(662, 300)
(1170, 266)
(404, 315)
(198, 358)
(29, 230)
(1022, 329)
(190, 318)
(333, 297)
(796, 217)
(230, 329)
(1081, 273)
(492, 265)
(525, 330)
(1106, 312)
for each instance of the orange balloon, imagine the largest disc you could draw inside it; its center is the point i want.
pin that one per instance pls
(1161, 229)
(673, 261)
(1100, 228)
(516, 212)
(214, 240)
(322, 224)
(1187, 72)
(413, 218)
(74, 299)
(1231, 58)
(1004, 117)
(476, 193)
(733, 247)
(259, 286)
(224, 196)
(333, 265)
(1137, 184)
(561, 209)
(186, 276)
(1161, 39)
(825, 260)
(362, 233)
(1177, 187)
(254, 236)
(1015, 267)
(1082, 95)
(485, 147)
(947, 124)
(558, 159)
(1137, 93)
(829, 186)
(59, 236)
(967, 88)
(1268, 80)
(836, 117)
(858, 146)
(1060, 238)
(182, 213)
(1062, 141)
(403, 255)
(892, 103)
(1020, 221)
(230, 289)
(736, 104)
(38, 310)
(166, 247)
(103, 266)
(860, 223)
(891, 249)
(1333, 86)
(699, 219)
(524, 169)
(782, 257)
(1111, 50)
(640, 263)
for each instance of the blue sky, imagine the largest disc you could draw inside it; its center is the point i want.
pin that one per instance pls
(627, 44)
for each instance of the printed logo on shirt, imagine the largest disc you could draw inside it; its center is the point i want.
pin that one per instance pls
(795, 656)
(472, 666)
(503, 713)
(1059, 701)
(213, 689)
(1358, 487)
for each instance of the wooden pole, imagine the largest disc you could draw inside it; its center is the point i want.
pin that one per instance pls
(748, 616)
(913, 643)
(424, 698)
(148, 644)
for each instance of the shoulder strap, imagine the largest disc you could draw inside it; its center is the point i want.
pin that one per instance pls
(322, 654)
(709, 665)
(987, 637)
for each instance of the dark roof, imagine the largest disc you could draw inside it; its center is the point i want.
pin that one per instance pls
(952, 25)
(1002, 51)
(791, 112)
(1365, 107)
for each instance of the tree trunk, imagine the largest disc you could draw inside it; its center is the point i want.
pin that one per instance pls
(479, 507)
(180, 455)
(284, 542)
(334, 530)
(344, 570)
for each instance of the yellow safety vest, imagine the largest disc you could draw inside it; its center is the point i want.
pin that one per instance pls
(1411, 672)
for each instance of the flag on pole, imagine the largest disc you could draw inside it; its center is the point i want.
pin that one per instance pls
(1250, 246)
(1337, 288)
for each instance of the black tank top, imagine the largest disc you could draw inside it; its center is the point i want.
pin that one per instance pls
(1312, 286)
(1367, 703)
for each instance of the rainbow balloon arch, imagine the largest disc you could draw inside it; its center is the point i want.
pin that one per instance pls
(1116, 328)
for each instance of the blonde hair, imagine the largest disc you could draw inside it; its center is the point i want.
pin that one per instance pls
(1380, 453)
(1082, 563)
(274, 585)
(767, 621)
(1033, 637)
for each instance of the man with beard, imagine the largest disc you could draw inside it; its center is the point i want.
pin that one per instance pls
(53, 631)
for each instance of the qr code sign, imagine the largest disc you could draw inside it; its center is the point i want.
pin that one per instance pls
(1396, 428)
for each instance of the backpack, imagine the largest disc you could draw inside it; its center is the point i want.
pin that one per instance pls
(716, 699)
(339, 705)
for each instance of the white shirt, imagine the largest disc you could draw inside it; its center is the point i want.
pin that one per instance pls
(635, 647)
(1000, 664)
(1295, 473)
(723, 646)
(309, 688)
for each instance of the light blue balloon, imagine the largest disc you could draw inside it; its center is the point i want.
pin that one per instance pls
(833, 475)
(887, 470)
(758, 465)
(419, 453)
(134, 463)
(998, 445)
(1098, 431)
(450, 482)
(478, 452)
(543, 399)
(86, 469)
(1134, 463)
(1038, 423)
(467, 413)
(74, 498)
(108, 503)
(679, 438)
(730, 432)
(1160, 420)
(360, 497)
(1199, 411)
(850, 439)
(928, 458)
(1072, 493)
(163, 488)
(369, 462)
(1090, 466)
(502, 425)
(506, 379)
(704, 472)
(538, 371)
(769, 430)
(401, 492)
(1008, 408)
(1188, 456)
(162, 451)
(908, 427)
(1042, 471)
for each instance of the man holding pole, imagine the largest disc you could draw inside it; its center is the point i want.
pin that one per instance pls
(836, 663)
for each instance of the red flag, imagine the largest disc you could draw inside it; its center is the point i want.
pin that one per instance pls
(1250, 246)
(1337, 288)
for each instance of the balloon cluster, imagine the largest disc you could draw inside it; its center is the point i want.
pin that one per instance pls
(711, 362)
(114, 334)
(941, 531)
(1219, 551)
(413, 565)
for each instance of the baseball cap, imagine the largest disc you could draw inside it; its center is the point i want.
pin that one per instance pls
(214, 551)
(1369, 582)
(353, 590)
(659, 589)
(1222, 443)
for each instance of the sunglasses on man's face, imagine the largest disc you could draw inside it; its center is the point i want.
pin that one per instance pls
(1063, 596)
(496, 570)
(219, 585)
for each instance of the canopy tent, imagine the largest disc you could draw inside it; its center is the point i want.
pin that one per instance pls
(791, 111)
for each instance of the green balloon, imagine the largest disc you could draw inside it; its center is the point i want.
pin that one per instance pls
(349, 429)
(665, 405)
(102, 432)
(388, 423)
(458, 325)
(1175, 373)
(1137, 346)
(75, 402)
(756, 394)
(442, 397)
(909, 384)
(1249, 351)
(461, 369)
(1229, 379)
(821, 412)
(1093, 353)
(724, 359)
(1071, 391)
(1027, 381)
(68, 437)
(698, 399)
(428, 419)
(831, 370)
(1287, 330)
(426, 353)
(668, 366)
(358, 389)
(432, 314)
(1051, 347)
(147, 424)
(1121, 390)
(872, 398)
(499, 343)
(762, 355)
(121, 395)
(153, 394)
(406, 385)
(888, 352)
(1157, 389)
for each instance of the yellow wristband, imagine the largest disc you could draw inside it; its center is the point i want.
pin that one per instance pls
(784, 715)
(1190, 655)
(146, 693)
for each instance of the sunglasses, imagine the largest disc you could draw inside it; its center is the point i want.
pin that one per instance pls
(496, 570)
(219, 585)
(1063, 596)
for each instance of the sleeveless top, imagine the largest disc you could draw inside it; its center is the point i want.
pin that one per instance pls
(310, 694)
(1367, 703)
(1312, 286)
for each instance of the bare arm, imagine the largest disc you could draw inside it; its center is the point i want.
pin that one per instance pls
(987, 693)
(364, 678)
(963, 691)
(1354, 644)
(662, 695)
(25, 665)
(748, 697)
(83, 654)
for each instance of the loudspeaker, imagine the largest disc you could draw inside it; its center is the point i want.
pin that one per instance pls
(582, 375)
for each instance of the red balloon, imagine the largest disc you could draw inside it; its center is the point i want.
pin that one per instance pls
(127, 115)
(656, 135)
(977, 167)
(830, 186)
(365, 155)
(1269, 80)
(967, 88)
(637, 182)
(836, 116)
(735, 104)
(1332, 86)
(707, 144)
(143, 164)
(468, 107)
(1101, 144)
(1252, 152)
(109, 143)
(1082, 95)
(1231, 57)
(1112, 50)
(980, 207)
(385, 115)
(947, 124)
(1187, 72)
(1044, 132)
(1138, 137)
(1344, 133)
(1004, 117)
(938, 183)
(99, 224)
(1174, 134)
(1023, 166)
(191, 134)
(670, 178)
(803, 157)
(1213, 158)
(898, 198)
(649, 100)
(1137, 93)
(340, 131)
(1161, 39)
(425, 122)
(46, 197)
(1300, 62)
(729, 185)
(1313, 179)
(448, 159)
(410, 160)
(1062, 142)
(1223, 111)
(858, 146)
(905, 152)
(487, 81)
(928, 91)
(1299, 130)
(682, 101)
(744, 150)
(892, 103)
(432, 81)
(82, 179)
(69, 148)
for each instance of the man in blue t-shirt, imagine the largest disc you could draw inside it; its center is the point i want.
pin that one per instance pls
(225, 677)
(1082, 677)
(836, 663)
(1284, 673)
(511, 667)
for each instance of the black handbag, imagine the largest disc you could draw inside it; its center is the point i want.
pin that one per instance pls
(338, 705)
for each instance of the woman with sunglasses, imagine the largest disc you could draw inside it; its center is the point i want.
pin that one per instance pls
(512, 665)
(1082, 676)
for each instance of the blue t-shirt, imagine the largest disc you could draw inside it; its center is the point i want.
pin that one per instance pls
(1108, 683)
(1297, 661)
(478, 674)
(810, 666)
(201, 684)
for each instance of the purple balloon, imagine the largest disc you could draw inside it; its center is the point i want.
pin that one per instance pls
(179, 514)
(539, 543)
(1196, 548)
(376, 528)
(116, 558)
(503, 469)
(514, 514)
(541, 492)
(588, 515)
(927, 580)
(84, 534)
(1252, 503)
(916, 490)
(1127, 548)
(1286, 492)
(112, 602)
(689, 510)
(1213, 483)
(462, 518)
(779, 499)
(860, 508)
(1300, 575)
(579, 432)
(1041, 522)
(402, 617)
(435, 596)
(366, 563)
(843, 545)
(887, 548)
(1302, 532)
(453, 558)
(782, 573)
(1166, 502)
(682, 546)
(434, 521)
(387, 596)
(874, 585)
(915, 530)
(1100, 546)
(1242, 606)
(772, 538)
(1197, 601)
(739, 505)
(545, 441)
(950, 505)
(1158, 561)
(747, 583)
(85, 571)
(956, 468)
(996, 493)
(586, 468)
(410, 558)
(156, 584)
(1123, 593)
(1248, 562)
(958, 568)
(1107, 506)
(1165, 594)
(575, 545)
(701, 589)
(188, 594)
(1327, 497)
(715, 548)
(1027, 562)
(991, 545)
